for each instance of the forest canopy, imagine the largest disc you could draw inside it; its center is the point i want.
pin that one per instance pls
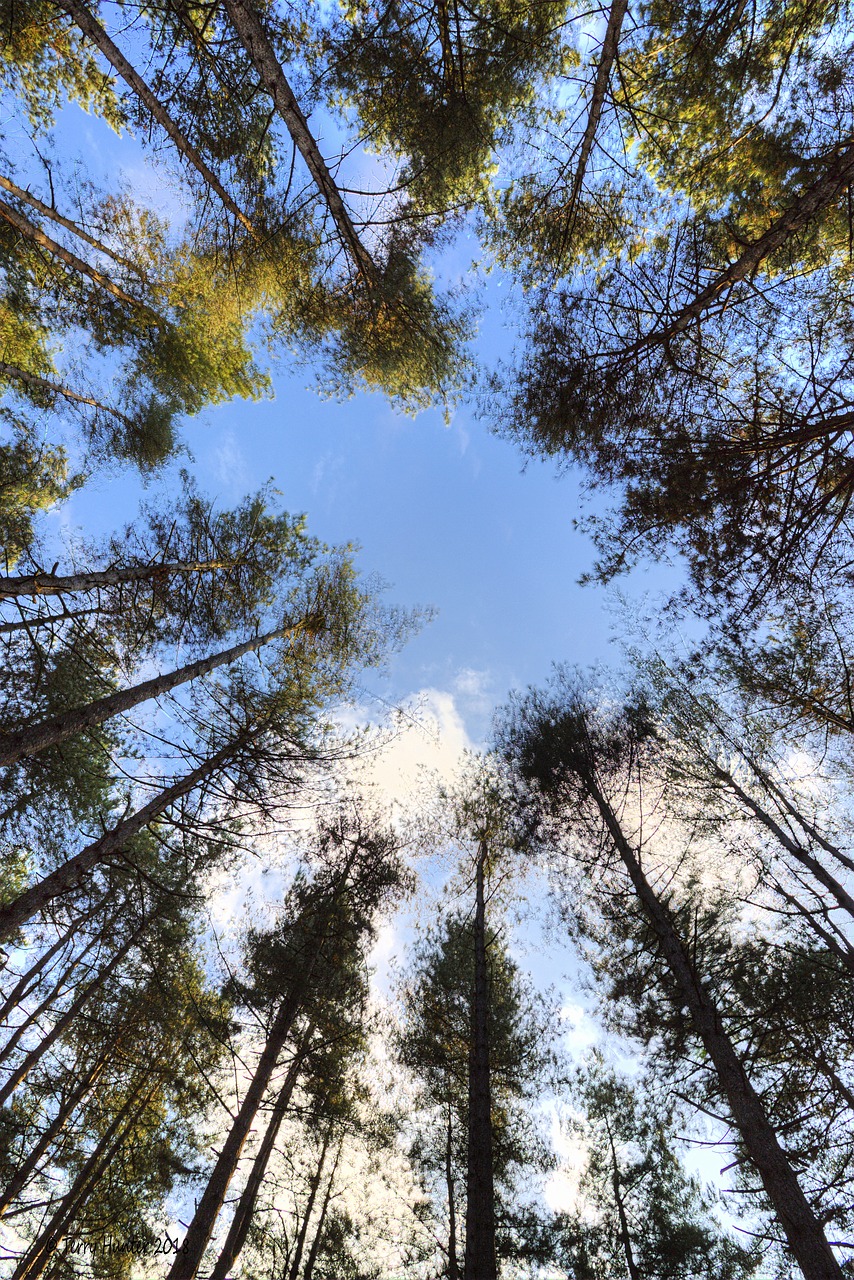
(208, 1066)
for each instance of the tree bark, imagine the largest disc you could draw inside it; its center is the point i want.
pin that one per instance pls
(37, 621)
(50, 584)
(31, 232)
(48, 212)
(92, 29)
(50, 733)
(480, 1259)
(600, 88)
(803, 1231)
(313, 1186)
(202, 1226)
(25, 1170)
(242, 1219)
(62, 1023)
(836, 178)
(308, 1270)
(247, 24)
(72, 872)
(453, 1263)
(625, 1237)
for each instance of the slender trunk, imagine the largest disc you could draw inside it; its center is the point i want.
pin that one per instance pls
(804, 1234)
(29, 1166)
(480, 1260)
(202, 1226)
(62, 1024)
(33, 624)
(242, 1219)
(58, 389)
(600, 88)
(93, 30)
(35, 235)
(49, 733)
(792, 847)
(453, 1264)
(23, 1027)
(71, 873)
(49, 584)
(38, 1256)
(248, 26)
(308, 1270)
(23, 986)
(48, 212)
(625, 1238)
(313, 1186)
(837, 176)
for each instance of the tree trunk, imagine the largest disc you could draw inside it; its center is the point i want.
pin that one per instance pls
(93, 30)
(293, 1273)
(202, 1226)
(22, 987)
(804, 1234)
(600, 88)
(62, 1023)
(480, 1260)
(625, 1238)
(39, 1254)
(23, 1027)
(248, 26)
(71, 873)
(49, 733)
(35, 235)
(45, 620)
(308, 1270)
(48, 212)
(242, 1219)
(817, 197)
(26, 1170)
(453, 1263)
(49, 584)
(58, 389)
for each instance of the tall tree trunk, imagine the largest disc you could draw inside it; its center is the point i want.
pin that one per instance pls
(29, 1165)
(597, 101)
(249, 28)
(62, 1023)
(16, 374)
(39, 1254)
(72, 872)
(804, 1234)
(48, 211)
(202, 1226)
(49, 733)
(23, 986)
(49, 584)
(35, 235)
(45, 620)
(838, 175)
(453, 1263)
(480, 1260)
(308, 1270)
(313, 1186)
(625, 1237)
(93, 30)
(242, 1219)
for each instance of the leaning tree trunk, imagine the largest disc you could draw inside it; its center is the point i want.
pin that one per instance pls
(71, 873)
(308, 1269)
(52, 584)
(480, 1261)
(242, 1219)
(313, 1187)
(804, 1233)
(50, 733)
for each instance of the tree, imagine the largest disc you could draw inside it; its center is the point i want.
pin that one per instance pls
(642, 1215)
(581, 761)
